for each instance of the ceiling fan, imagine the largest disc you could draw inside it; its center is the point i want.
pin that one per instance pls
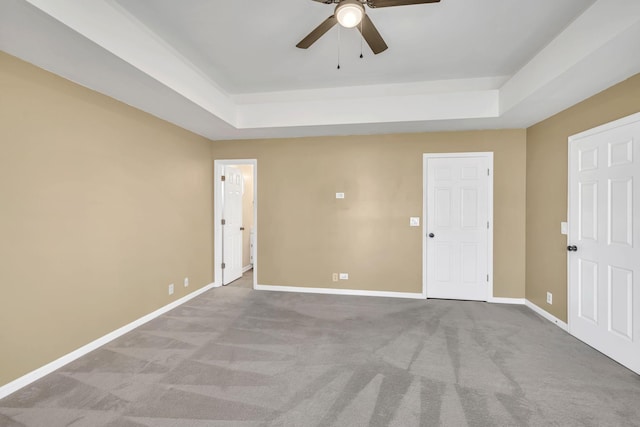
(351, 13)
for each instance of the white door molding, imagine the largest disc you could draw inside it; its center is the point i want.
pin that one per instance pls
(488, 156)
(218, 166)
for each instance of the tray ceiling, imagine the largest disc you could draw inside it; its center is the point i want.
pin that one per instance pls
(230, 70)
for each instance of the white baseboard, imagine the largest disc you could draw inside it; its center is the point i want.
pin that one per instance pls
(499, 300)
(388, 294)
(247, 268)
(550, 317)
(331, 291)
(35, 375)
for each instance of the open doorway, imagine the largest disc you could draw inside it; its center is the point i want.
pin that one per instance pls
(235, 222)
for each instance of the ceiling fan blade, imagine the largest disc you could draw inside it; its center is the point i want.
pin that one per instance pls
(372, 36)
(388, 3)
(319, 31)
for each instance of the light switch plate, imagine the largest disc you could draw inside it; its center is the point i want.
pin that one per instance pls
(339, 195)
(414, 221)
(564, 228)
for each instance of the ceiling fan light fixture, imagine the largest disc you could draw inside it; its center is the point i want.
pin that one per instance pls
(349, 13)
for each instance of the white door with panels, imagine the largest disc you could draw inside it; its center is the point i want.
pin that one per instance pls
(604, 239)
(232, 227)
(458, 230)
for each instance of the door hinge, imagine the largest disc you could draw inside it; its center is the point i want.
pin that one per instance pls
(224, 265)
(224, 222)
(223, 178)
(487, 277)
(487, 225)
(488, 172)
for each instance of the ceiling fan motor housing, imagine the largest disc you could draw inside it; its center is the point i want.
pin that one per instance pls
(349, 13)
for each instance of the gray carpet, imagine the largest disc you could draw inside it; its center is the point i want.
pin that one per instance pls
(238, 357)
(245, 281)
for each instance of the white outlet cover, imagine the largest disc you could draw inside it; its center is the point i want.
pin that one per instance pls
(344, 276)
(339, 195)
(186, 282)
(564, 228)
(171, 289)
(414, 221)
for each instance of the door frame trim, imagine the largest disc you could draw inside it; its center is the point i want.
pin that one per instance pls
(489, 156)
(217, 216)
(623, 121)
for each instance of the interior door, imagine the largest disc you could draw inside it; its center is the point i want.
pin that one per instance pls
(604, 240)
(232, 224)
(457, 219)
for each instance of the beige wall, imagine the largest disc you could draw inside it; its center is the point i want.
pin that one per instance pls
(102, 206)
(547, 188)
(305, 234)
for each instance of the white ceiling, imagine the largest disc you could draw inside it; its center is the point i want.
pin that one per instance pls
(230, 69)
(249, 46)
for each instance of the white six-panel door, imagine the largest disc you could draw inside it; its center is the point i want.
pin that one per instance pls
(232, 229)
(604, 239)
(457, 226)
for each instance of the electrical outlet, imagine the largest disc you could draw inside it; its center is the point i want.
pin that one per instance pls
(171, 289)
(344, 276)
(549, 298)
(186, 282)
(334, 277)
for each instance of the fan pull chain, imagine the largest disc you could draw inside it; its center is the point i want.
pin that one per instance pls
(339, 43)
(361, 39)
